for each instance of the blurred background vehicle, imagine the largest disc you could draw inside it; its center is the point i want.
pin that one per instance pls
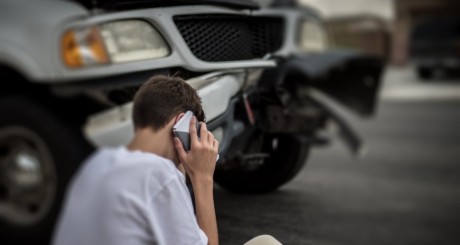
(435, 46)
(425, 35)
(286, 112)
(70, 70)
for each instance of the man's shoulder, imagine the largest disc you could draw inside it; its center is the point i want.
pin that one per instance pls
(121, 157)
(144, 160)
(118, 171)
(137, 166)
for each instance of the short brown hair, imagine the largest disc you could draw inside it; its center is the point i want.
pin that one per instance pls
(161, 98)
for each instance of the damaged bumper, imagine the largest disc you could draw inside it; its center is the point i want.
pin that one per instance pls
(351, 78)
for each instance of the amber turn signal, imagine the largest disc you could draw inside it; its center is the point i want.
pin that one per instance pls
(83, 47)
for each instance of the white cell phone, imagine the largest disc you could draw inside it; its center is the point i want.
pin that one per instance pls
(182, 127)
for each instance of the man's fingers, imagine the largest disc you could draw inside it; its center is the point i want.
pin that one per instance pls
(180, 150)
(203, 131)
(210, 138)
(192, 131)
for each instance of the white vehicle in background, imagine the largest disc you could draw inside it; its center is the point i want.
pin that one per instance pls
(70, 69)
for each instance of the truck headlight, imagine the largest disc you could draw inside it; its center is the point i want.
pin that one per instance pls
(113, 42)
(312, 36)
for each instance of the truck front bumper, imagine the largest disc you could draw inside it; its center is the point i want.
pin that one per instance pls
(114, 127)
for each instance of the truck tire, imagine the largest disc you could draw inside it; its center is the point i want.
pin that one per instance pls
(38, 155)
(282, 161)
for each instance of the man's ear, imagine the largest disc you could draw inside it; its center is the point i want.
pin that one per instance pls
(178, 117)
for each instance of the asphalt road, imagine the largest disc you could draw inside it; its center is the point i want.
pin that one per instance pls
(406, 190)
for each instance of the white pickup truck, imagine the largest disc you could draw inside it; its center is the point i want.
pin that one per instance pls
(69, 71)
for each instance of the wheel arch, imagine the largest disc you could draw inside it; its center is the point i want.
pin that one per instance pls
(71, 109)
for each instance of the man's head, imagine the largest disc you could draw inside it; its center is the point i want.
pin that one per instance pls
(162, 98)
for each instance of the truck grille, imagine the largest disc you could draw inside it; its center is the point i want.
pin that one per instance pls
(230, 37)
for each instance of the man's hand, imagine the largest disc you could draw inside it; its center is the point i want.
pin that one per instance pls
(200, 161)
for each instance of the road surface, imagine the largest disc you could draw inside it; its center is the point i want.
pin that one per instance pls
(405, 190)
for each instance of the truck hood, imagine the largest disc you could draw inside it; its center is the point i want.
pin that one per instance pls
(136, 4)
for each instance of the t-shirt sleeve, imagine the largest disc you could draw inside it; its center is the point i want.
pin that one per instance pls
(171, 216)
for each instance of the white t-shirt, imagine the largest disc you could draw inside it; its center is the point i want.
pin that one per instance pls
(129, 198)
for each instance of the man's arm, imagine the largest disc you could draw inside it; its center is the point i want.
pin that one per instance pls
(205, 212)
(200, 163)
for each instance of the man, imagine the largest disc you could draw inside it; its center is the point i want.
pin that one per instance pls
(137, 194)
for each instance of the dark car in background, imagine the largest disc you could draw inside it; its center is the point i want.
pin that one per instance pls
(435, 46)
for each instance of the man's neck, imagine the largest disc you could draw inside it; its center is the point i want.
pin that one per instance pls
(159, 143)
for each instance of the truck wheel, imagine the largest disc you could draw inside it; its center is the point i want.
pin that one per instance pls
(425, 73)
(266, 162)
(38, 155)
